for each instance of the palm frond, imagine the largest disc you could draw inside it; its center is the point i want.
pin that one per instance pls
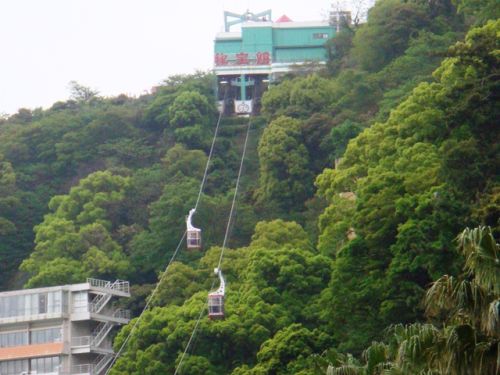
(439, 297)
(417, 342)
(345, 370)
(375, 356)
(460, 345)
(482, 256)
(486, 358)
(493, 319)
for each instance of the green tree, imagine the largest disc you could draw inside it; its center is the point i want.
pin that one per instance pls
(76, 234)
(284, 174)
(288, 352)
(464, 338)
(390, 25)
(189, 116)
(7, 199)
(412, 192)
(278, 234)
(190, 108)
(277, 99)
(478, 11)
(82, 93)
(269, 285)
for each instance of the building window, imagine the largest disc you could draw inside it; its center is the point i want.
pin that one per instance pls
(80, 302)
(13, 367)
(31, 304)
(320, 36)
(42, 336)
(9, 339)
(42, 303)
(45, 365)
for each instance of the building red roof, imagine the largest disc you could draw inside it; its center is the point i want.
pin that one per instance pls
(284, 18)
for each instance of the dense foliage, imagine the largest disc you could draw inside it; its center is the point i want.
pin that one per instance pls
(357, 180)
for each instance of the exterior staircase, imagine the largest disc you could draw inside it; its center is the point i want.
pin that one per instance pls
(102, 298)
(100, 332)
(102, 363)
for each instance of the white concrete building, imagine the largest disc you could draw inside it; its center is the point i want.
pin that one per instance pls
(62, 329)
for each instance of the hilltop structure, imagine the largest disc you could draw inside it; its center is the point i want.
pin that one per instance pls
(60, 329)
(246, 61)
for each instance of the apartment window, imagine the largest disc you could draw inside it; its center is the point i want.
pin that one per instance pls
(42, 303)
(42, 336)
(80, 302)
(320, 36)
(31, 304)
(54, 301)
(45, 365)
(9, 339)
(13, 367)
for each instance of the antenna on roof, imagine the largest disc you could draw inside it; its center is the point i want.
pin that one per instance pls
(247, 16)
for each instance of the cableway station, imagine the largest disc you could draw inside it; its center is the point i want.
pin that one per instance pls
(248, 60)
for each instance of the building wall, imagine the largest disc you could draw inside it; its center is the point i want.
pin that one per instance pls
(283, 55)
(257, 39)
(284, 44)
(38, 328)
(228, 46)
(301, 37)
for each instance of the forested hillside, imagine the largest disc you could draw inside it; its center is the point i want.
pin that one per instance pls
(343, 257)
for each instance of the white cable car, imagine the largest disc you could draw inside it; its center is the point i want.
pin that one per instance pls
(216, 299)
(193, 235)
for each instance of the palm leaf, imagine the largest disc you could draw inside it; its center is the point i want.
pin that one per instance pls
(376, 357)
(345, 370)
(460, 345)
(439, 297)
(482, 256)
(493, 319)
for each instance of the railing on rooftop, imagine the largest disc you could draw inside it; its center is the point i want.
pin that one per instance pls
(98, 283)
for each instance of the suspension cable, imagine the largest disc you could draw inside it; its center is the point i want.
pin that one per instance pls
(178, 367)
(229, 221)
(226, 235)
(210, 153)
(164, 273)
(148, 302)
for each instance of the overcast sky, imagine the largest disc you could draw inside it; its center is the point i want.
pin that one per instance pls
(113, 46)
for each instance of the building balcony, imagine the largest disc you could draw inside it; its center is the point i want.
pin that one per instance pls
(122, 318)
(87, 344)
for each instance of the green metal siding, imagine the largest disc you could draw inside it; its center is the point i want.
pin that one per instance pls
(228, 46)
(295, 37)
(257, 39)
(284, 44)
(283, 55)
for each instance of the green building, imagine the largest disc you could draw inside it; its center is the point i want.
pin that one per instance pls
(247, 60)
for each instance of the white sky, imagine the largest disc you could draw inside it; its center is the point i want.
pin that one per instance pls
(113, 46)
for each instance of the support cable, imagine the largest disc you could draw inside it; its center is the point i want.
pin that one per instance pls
(174, 255)
(229, 221)
(210, 155)
(226, 235)
(148, 302)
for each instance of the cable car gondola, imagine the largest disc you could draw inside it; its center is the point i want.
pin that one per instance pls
(193, 235)
(216, 299)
